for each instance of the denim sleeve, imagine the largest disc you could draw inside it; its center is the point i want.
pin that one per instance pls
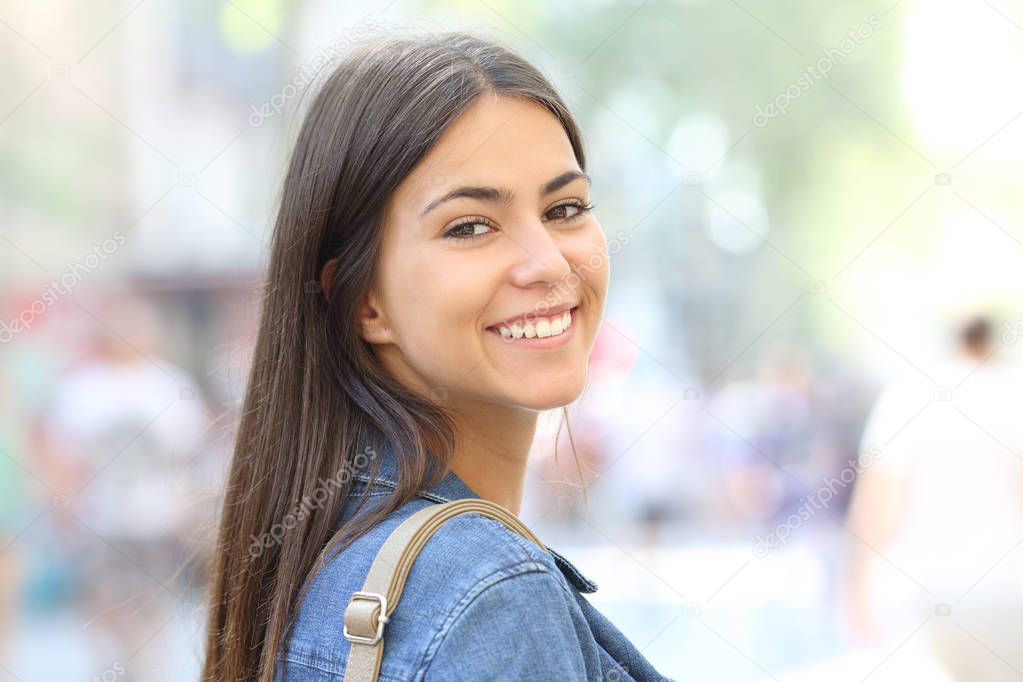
(520, 623)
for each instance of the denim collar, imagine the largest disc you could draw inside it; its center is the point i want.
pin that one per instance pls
(451, 487)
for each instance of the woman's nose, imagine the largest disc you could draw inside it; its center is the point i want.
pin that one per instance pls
(541, 259)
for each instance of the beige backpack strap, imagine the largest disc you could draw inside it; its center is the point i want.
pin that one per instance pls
(370, 608)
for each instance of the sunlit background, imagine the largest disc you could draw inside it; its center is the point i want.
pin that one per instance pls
(807, 202)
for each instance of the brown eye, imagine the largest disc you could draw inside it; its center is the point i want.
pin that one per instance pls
(570, 211)
(466, 230)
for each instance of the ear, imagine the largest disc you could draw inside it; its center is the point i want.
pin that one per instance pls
(371, 320)
(326, 275)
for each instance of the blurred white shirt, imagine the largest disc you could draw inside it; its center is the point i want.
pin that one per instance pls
(957, 451)
(135, 427)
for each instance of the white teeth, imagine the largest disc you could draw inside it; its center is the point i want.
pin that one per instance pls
(541, 328)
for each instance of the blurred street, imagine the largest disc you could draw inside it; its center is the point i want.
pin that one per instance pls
(801, 439)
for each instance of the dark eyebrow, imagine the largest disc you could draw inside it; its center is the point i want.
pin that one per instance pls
(502, 194)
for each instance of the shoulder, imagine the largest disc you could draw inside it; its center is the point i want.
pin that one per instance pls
(471, 563)
(466, 549)
(519, 625)
(476, 546)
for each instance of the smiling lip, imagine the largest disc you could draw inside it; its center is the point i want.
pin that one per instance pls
(536, 342)
(534, 313)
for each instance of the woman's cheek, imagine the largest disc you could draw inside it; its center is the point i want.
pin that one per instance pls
(597, 260)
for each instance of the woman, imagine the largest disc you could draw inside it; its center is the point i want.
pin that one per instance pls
(437, 277)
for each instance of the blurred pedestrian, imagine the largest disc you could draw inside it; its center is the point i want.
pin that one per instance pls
(936, 520)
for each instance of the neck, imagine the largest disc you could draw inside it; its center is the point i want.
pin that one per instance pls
(974, 353)
(492, 449)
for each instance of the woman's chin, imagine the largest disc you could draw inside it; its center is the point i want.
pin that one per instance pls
(551, 396)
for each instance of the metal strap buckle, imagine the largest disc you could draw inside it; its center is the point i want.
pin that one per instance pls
(381, 619)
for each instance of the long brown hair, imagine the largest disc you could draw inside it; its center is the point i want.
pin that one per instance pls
(316, 398)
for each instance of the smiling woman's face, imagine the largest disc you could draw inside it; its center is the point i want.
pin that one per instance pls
(518, 245)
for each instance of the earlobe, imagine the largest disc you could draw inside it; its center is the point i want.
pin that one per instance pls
(373, 326)
(374, 333)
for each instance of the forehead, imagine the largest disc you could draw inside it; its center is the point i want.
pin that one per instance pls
(498, 141)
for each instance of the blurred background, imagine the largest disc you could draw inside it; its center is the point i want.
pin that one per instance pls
(800, 440)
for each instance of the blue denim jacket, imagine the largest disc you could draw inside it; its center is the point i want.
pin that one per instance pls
(480, 603)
